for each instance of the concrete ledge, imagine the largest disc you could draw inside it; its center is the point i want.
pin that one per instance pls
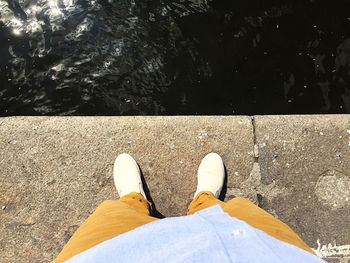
(54, 171)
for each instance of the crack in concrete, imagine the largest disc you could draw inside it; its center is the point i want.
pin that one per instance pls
(253, 124)
(256, 154)
(253, 187)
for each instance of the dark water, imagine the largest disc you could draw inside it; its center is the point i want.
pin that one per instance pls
(130, 57)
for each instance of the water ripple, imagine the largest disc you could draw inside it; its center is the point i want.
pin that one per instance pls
(90, 57)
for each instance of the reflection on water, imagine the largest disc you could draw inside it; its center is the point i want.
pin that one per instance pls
(121, 57)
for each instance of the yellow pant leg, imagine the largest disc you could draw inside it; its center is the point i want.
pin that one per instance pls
(203, 200)
(248, 212)
(111, 218)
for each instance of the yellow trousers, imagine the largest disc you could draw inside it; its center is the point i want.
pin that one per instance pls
(114, 217)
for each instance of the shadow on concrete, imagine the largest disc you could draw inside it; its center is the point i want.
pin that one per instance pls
(224, 187)
(155, 212)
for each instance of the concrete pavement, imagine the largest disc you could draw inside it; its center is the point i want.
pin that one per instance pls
(54, 171)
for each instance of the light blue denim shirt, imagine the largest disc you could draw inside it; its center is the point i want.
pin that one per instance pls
(209, 235)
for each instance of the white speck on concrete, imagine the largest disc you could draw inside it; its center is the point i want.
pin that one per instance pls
(202, 134)
(256, 150)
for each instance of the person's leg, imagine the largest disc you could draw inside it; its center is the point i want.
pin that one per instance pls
(111, 218)
(248, 212)
(210, 182)
(253, 215)
(210, 176)
(203, 200)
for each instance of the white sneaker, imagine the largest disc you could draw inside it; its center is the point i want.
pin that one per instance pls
(211, 174)
(127, 175)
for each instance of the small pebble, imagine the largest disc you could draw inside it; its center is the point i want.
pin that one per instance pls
(3, 207)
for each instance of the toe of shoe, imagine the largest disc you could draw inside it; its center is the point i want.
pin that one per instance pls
(212, 161)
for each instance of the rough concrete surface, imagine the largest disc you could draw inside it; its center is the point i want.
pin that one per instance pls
(304, 169)
(54, 171)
